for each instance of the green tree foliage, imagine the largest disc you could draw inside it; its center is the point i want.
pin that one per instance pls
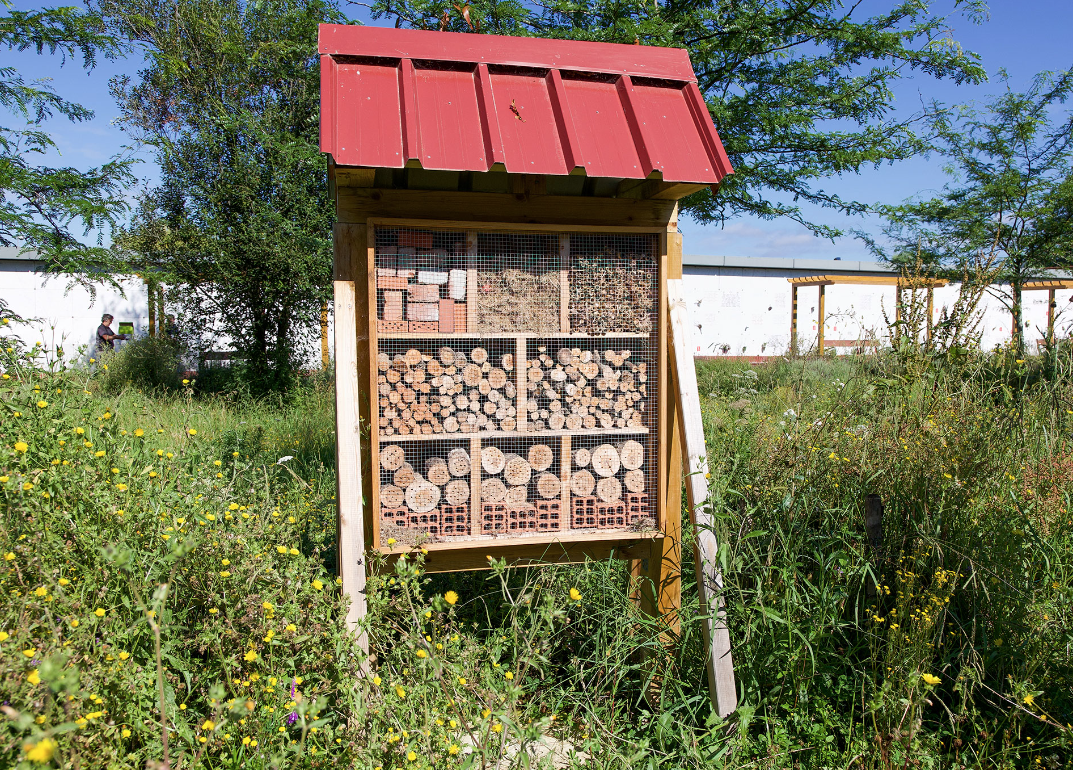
(1008, 210)
(42, 207)
(800, 90)
(240, 226)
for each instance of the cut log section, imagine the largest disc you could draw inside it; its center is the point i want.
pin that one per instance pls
(404, 476)
(582, 483)
(455, 493)
(548, 485)
(605, 460)
(609, 489)
(540, 457)
(392, 457)
(436, 471)
(458, 462)
(582, 457)
(634, 481)
(391, 496)
(478, 356)
(421, 496)
(517, 495)
(631, 454)
(493, 490)
(492, 460)
(516, 470)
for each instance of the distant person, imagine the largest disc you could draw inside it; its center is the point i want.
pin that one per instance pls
(105, 336)
(171, 327)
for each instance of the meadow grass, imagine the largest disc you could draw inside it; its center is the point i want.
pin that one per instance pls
(163, 557)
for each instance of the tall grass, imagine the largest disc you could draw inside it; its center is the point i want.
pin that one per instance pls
(947, 645)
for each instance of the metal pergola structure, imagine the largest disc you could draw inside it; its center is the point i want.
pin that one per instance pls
(900, 284)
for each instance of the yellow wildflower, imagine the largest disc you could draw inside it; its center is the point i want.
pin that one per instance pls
(575, 595)
(21, 446)
(930, 679)
(450, 597)
(34, 677)
(40, 752)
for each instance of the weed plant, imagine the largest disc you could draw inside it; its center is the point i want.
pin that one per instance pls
(168, 588)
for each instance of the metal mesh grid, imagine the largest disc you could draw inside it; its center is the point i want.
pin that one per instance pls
(610, 481)
(429, 387)
(614, 284)
(521, 487)
(525, 343)
(425, 490)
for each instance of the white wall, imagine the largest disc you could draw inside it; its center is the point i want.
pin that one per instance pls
(66, 316)
(745, 311)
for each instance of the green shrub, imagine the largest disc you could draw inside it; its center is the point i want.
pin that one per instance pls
(146, 363)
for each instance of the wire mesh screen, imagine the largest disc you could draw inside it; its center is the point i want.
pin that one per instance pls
(516, 379)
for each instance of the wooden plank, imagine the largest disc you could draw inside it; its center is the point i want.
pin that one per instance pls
(348, 240)
(1046, 284)
(820, 318)
(471, 281)
(1050, 317)
(564, 478)
(793, 320)
(661, 428)
(557, 212)
(564, 283)
(566, 548)
(520, 374)
(931, 311)
(475, 486)
(865, 280)
(372, 414)
(508, 335)
(709, 580)
(515, 433)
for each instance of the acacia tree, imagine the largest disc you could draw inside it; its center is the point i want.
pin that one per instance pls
(43, 208)
(1009, 205)
(240, 226)
(800, 90)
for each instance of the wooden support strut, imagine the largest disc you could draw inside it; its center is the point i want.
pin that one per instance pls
(820, 319)
(1050, 316)
(709, 579)
(793, 320)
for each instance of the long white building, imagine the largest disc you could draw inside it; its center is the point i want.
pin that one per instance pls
(740, 306)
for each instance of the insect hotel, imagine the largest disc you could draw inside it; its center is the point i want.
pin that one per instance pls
(505, 261)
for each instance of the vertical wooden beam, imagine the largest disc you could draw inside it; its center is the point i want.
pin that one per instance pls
(369, 408)
(564, 478)
(161, 314)
(150, 292)
(793, 319)
(930, 311)
(820, 317)
(475, 486)
(349, 241)
(564, 284)
(324, 358)
(520, 374)
(471, 282)
(1050, 316)
(709, 580)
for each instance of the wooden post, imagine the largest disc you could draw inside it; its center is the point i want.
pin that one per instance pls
(564, 284)
(873, 527)
(150, 291)
(819, 314)
(324, 358)
(793, 320)
(709, 580)
(349, 248)
(1050, 316)
(931, 300)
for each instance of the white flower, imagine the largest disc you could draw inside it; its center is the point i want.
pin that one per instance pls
(284, 459)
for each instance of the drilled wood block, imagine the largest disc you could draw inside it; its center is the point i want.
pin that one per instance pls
(392, 327)
(424, 327)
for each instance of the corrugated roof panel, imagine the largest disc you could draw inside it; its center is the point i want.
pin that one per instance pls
(545, 107)
(527, 124)
(670, 135)
(604, 138)
(448, 121)
(373, 137)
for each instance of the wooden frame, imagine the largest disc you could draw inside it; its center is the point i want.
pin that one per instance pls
(823, 281)
(1050, 286)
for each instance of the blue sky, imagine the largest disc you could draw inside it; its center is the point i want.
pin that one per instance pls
(1023, 37)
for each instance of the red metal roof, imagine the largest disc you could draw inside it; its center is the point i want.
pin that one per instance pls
(465, 102)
